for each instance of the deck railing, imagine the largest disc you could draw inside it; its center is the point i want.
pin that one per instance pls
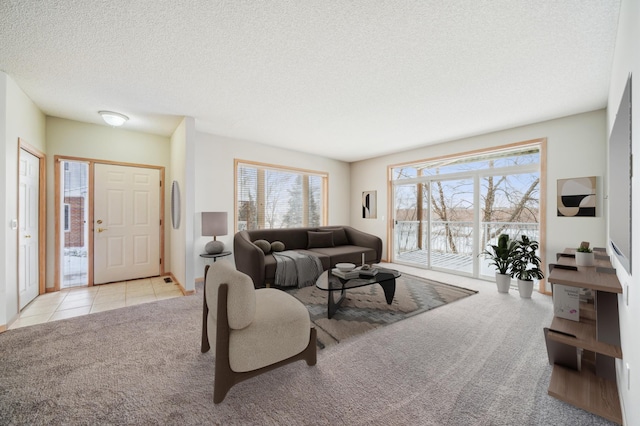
(455, 239)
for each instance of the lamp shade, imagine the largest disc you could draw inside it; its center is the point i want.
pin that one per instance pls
(214, 224)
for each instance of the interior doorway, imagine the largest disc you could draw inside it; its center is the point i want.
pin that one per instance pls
(31, 223)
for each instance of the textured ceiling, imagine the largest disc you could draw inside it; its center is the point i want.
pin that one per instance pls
(348, 79)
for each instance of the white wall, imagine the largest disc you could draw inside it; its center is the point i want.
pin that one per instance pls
(7, 303)
(19, 118)
(84, 140)
(214, 164)
(575, 148)
(627, 60)
(182, 171)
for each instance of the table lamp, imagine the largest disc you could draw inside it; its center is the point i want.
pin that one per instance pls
(214, 224)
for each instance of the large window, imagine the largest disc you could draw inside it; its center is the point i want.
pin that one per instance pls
(276, 197)
(447, 210)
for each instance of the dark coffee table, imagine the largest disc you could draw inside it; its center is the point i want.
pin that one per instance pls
(332, 284)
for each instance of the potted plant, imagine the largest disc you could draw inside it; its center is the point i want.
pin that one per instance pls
(526, 265)
(501, 256)
(584, 255)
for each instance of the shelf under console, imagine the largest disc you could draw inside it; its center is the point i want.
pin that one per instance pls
(581, 335)
(585, 390)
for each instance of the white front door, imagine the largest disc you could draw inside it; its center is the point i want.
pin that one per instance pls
(28, 210)
(126, 226)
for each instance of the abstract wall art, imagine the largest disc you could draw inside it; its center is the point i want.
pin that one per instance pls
(577, 197)
(369, 205)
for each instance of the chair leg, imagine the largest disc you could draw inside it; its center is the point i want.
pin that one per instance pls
(224, 377)
(312, 349)
(205, 346)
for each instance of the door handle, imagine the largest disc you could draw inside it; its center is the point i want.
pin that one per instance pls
(102, 229)
(27, 236)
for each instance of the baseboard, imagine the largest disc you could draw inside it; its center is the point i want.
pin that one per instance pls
(184, 291)
(5, 327)
(50, 289)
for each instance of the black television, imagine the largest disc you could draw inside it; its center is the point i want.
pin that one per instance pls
(620, 177)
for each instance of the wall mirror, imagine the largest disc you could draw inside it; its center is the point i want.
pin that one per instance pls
(175, 205)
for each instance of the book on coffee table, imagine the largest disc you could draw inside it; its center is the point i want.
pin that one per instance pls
(354, 273)
(372, 272)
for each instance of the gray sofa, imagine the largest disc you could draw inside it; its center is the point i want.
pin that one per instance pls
(332, 244)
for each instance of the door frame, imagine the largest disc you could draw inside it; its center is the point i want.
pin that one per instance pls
(42, 208)
(58, 234)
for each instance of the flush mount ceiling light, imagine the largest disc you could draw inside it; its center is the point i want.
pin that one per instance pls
(113, 118)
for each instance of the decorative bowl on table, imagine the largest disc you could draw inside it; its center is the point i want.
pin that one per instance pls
(345, 267)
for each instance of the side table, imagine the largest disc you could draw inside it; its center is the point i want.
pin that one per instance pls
(205, 311)
(214, 257)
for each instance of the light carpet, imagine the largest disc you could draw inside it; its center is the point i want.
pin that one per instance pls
(478, 361)
(365, 308)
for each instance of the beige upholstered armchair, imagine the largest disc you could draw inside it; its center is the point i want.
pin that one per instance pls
(254, 331)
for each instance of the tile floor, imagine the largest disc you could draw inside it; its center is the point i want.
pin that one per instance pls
(73, 302)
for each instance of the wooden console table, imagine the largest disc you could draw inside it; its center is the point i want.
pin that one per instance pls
(583, 352)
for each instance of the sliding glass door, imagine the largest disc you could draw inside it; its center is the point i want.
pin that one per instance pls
(448, 210)
(452, 224)
(411, 218)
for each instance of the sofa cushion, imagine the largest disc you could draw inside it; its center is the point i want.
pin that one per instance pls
(339, 236)
(270, 263)
(264, 245)
(348, 253)
(319, 239)
(277, 246)
(324, 259)
(293, 238)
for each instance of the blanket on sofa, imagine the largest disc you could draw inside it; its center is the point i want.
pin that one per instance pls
(296, 269)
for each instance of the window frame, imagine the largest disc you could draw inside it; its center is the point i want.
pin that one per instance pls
(324, 176)
(540, 143)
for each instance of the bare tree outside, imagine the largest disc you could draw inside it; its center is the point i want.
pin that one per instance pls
(277, 188)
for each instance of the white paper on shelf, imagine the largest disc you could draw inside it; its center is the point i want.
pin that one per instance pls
(566, 302)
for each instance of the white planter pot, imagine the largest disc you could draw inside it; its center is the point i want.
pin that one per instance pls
(584, 259)
(503, 281)
(525, 288)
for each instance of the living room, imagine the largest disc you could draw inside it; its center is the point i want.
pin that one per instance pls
(203, 164)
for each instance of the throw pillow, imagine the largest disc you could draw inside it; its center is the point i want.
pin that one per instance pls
(277, 246)
(319, 239)
(264, 245)
(339, 236)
